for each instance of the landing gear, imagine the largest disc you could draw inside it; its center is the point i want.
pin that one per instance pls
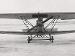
(51, 39)
(29, 39)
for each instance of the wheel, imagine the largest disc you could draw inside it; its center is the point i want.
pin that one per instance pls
(52, 39)
(28, 39)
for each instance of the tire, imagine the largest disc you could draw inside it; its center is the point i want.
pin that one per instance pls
(28, 39)
(52, 39)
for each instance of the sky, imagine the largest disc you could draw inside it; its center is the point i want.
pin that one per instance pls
(32, 6)
(26, 6)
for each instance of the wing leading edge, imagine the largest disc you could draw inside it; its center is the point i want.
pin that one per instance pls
(63, 15)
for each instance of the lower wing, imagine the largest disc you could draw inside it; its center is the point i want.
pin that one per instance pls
(63, 32)
(34, 33)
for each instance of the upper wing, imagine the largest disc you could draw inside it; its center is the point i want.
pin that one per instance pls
(16, 15)
(63, 15)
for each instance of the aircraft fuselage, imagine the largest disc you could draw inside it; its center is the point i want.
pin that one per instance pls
(40, 27)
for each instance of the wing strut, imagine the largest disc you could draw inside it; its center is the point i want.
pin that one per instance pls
(41, 22)
(26, 22)
(53, 23)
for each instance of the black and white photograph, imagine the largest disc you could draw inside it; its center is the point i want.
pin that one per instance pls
(37, 27)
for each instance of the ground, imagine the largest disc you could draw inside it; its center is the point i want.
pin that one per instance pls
(16, 45)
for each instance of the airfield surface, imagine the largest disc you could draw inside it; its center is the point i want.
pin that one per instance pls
(16, 45)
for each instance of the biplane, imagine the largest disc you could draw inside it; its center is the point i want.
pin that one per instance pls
(39, 30)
